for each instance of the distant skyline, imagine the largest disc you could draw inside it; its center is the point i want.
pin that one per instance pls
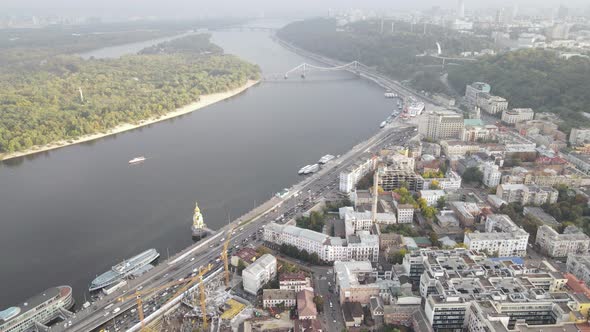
(200, 8)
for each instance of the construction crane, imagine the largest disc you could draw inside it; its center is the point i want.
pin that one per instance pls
(203, 299)
(138, 295)
(225, 257)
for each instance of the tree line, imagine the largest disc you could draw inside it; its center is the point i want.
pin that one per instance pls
(534, 78)
(42, 104)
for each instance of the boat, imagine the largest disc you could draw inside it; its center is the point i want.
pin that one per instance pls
(39, 309)
(283, 193)
(312, 169)
(383, 124)
(137, 160)
(389, 95)
(303, 169)
(124, 269)
(326, 158)
(199, 229)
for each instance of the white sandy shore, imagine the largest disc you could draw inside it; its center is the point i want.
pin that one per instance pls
(204, 101)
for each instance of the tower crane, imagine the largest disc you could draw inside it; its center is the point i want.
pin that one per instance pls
(138, 295)
(224, 255)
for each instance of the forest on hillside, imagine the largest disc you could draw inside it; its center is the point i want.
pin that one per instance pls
(534, 78)
(392, 53)
(41, 103)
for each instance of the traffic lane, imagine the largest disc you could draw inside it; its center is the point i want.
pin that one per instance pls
(324, 287)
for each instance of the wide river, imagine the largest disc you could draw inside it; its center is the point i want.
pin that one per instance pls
(70, 214)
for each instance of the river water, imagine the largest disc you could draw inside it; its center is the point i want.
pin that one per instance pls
(70, 214)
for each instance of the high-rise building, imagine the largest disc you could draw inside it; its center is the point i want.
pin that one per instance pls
(439, 125)
(491, 174)
(461, 8)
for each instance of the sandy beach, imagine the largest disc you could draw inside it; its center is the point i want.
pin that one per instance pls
(204, 101)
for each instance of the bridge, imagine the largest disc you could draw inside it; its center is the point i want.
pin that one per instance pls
(245, 28)
(305, 68)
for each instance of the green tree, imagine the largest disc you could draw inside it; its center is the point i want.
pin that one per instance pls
(319, 302)
(472, 174)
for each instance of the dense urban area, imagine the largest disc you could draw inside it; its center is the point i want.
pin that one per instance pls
(468, 210)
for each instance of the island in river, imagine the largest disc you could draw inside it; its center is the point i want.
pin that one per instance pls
(66, 100)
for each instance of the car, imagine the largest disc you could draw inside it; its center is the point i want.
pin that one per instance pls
(192, 259)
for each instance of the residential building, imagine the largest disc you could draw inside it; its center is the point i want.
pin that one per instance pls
(259, 273)
(579, 136)
(463, 291)
(516, 115)
(294, 281)
(479, 133)
(501, 238)
(400, 162)
(353, 314)
(279, 297)
(352, 175)
(355, 281)
(581, 161)
(361, 246)
(491, 104)
(405, 213)
(432, 196)
(579, 266)
(473, 90)
(540, 215)
(437, 125)
(553, 244)
(491, 174)
(467, 213)
(526, 194)
(451, 181)
(306, 308)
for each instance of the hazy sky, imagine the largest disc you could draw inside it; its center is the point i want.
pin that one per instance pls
(217, 7)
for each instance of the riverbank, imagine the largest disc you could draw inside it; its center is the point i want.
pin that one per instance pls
(204, 101)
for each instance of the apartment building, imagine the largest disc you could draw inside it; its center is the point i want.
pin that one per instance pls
(355, 281)
(275, 297)
(360, 246)
(432, 196)
(391, 179)
(553, 244)
(405, 213)
(579, 136)
(491, 104)
(516, 115)
(491, 174)
(437, 125)
(502, 237)
(352, 175)
(579, 266)
(294, 281)
(451, 181)
(526, 194)
(259, 273)
(467, 213)
(481, 133)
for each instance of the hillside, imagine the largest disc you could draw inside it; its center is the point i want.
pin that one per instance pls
(393, 53)
(534, 78)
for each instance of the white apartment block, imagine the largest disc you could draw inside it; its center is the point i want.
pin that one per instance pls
(259, 273)
(432, 196)
(438, 125)
(451, 181)
(361, 246)
(502, 237)
(491, 174)
(579, 136)
(553, 244)
(491, 104)
(579, 266)
(352, 175)
(526, 194)
(516, 115)
(405, 213)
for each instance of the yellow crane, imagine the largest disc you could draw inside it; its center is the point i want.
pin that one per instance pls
(202, 295)
(224, 255)
(138, 295)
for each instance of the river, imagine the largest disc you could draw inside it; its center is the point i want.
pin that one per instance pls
(71, 213)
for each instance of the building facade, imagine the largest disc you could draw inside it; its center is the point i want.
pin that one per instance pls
(516, 115)
(502, 238)
(352, 175)
(439, 125)
(491, 104)
(526, 194)
(473, 90)
(491, 174)
(553, 244)
(259, 273)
